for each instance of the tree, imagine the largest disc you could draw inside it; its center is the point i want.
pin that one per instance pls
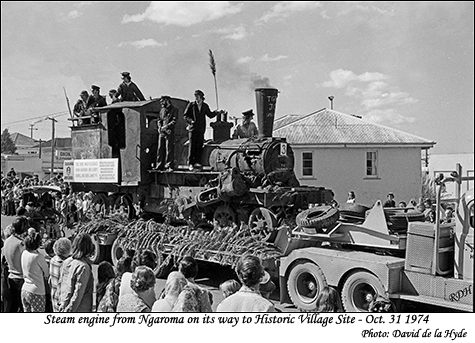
(8, 147)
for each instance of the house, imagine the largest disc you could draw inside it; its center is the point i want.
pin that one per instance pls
(62, 151)
(346, 153)
(24, 144)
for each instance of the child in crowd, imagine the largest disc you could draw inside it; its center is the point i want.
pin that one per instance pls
(328, 300)
(229, 287)
(108, 286)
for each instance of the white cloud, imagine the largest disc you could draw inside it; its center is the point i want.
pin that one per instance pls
(267, 58)
(388, 116)
(340, 78)
(235, 33)
(388, 99)
(74, 14)
(286, 8)
(355, 7)
(184, 13)
(245, 59)
(143, 43)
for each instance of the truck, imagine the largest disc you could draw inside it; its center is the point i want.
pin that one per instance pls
(431, 263)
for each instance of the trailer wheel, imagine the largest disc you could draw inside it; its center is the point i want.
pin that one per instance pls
(116, 252)
(358, 291)
(318, 217)
(305, 282)
(99, 251)
(263, 223)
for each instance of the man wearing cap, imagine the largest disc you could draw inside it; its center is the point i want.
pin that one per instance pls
(81, 106)
(194, 116)
(390, 201)
(247, 128)
(95, 100)
(166, 134)
(113, 96)
(127, 90)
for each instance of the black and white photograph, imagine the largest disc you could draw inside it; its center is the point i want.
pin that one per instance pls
(242, 170)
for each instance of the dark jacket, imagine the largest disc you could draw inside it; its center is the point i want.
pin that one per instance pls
(99, 102)
(167, 120)
(129, 92)
(195, 118)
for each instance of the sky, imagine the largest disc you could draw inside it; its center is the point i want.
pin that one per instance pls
(405, 65)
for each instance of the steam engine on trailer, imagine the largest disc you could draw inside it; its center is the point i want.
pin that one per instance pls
(243, 180)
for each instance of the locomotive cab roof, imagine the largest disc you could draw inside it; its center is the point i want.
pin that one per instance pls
(127, 104)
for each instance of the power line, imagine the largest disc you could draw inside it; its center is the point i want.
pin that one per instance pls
(57, 114)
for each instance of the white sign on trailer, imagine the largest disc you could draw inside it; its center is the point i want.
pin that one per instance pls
(91, 171)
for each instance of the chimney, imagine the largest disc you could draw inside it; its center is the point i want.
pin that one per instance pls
(266, 99)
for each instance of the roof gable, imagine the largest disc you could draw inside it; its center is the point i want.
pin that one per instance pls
(331, 127)
(22, 140)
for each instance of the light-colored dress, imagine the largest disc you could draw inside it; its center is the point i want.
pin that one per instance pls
(246, 300)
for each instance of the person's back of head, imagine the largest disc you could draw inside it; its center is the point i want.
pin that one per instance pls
(382, 305)
(82, 246)
(144, 258)
(249, 270)
(142, 279)
(20, 211)
(328, 300)
(20, 225)
(105, 272)
(188, 267)
(32, 241)
(48, 246)
(62, 247)
(124, 265)
(229, 287)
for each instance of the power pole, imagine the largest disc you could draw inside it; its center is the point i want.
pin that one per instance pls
(31, 130)
(52, 145)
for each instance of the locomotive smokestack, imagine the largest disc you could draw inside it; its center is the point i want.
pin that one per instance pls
(266, 99)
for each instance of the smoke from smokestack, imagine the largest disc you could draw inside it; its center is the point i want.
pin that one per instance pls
(258, 81)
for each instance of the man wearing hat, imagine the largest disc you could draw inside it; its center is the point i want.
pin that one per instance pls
(247, 128)
(390, 201)
(127, 90)
(194, 116)
(81, 106)
(95, 100)
(166, 134)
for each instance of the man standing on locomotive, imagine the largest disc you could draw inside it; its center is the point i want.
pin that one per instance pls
(95, 100)
(128, 90)
(166, 134)
(194, 116)
(247, 129)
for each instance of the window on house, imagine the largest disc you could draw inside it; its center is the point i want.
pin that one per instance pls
(307, 163)
(371, 163)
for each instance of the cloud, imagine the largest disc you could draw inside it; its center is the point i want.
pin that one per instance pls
(340, 78)
(373, 92)
(143, 43)
(74, 14)
(245, 59)
(286, 8)
(355, 7)
(184, 13)
(266, 58)
(388, 116)
(234, 33)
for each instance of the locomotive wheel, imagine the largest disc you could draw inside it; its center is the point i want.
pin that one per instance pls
(124, 200)
(318, 217)
(262, 223)
(99, 251)
(305, 282)
(224, 216)
(358, 291)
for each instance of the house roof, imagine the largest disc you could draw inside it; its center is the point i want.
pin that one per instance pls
(22, 140)
(327, 127)
(58, 143)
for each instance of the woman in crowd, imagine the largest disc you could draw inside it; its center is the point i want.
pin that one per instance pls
(175, 284)
(35, 275)
(193, 298)
(142, 283)
(12, 250)
(328, 300)
(141, 258)
(107, 293)
(62, 250)
(248, 299)
(77, 281)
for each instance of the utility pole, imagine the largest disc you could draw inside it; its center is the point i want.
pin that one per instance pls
(31, 130)
(52, 145)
